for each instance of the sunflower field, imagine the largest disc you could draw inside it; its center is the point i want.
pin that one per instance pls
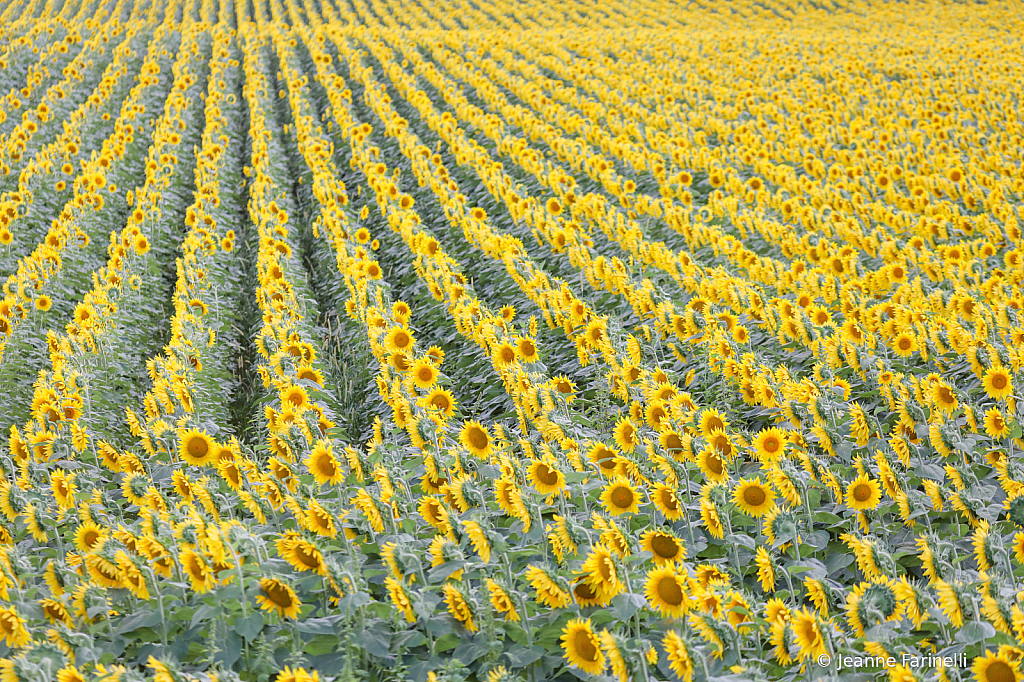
(489, 340)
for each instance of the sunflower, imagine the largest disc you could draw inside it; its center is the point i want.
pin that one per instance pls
(459, 607)
(12, 628)
(527, 349)
(585, 594)
(548, 591)
(62, 485)
(765, 569)
(582, 647)
(308, 373)
(996, 667)
(501, 602)
(89, 537)
(905, 344)
(863, 493)
(400, 598)
(753, 497)
(666, 591)
(770, 444)
(440, 399)
(55, 611)
(950, 602)
(476, 439)
(545, 477)
(323, 465)
(679, 660)
(295, 398)
(665, 546)
(600, 573)
(807, 634)
(709, 516)
(200, 573)
(303, 555)
(870, 603)
(228, 470)
(943, 397)
(423, 373)
(605, 458)
(997, 383)
(275, 595)
(711, 421)
(196, 448)
(132, 577)
(712, 466)
(612, 646)
(666, 501)
(182, 485)
(620, 497)
(626, 436)
(995, 423)
(478, 538)
(399, 339)
(320, 521)
(504, 355)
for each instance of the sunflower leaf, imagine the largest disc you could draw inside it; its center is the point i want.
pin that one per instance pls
(249, 626)
(974, 632)
(626, 604)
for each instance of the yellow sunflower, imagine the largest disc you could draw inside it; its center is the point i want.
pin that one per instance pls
(666, 591)
(626, 436)
(678, 656)
(863, 493)
(619, 497)
(440, 399)
(998, 383)
(196, 447)
(501, 602)
(546, 477)
(754, 497)
(476, 439)
(996, 667)
(323, 465)
(582, 647)
(423, 373)
(666, 501)
(278, 596)
(770, 444)
(665, 546)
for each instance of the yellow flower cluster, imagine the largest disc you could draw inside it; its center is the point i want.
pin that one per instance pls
(633, 339)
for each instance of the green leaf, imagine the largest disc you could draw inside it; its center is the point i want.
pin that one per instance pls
(376, 639)
(249, 627)
(520, 657)
(744, 540)
(974, 632)
(447, 641)
(626, 604)
(139, 620)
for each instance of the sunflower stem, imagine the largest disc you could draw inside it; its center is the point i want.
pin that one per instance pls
(160, 604)
(789, 582)
(735, 551)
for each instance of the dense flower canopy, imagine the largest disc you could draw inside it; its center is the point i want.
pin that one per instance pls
(451, 340)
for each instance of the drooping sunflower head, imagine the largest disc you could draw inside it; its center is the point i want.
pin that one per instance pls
(276, 595)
